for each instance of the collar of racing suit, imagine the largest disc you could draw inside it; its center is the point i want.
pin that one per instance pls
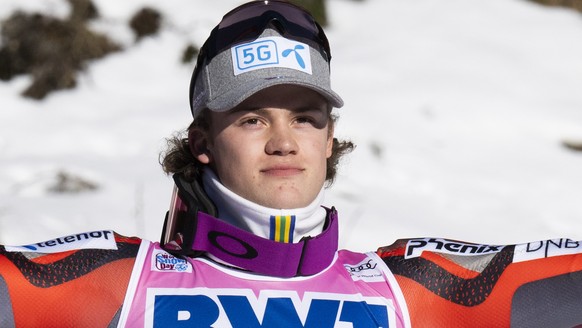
(231, 239)
(282, 225)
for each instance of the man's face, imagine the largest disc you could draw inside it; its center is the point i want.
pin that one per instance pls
(272, 148)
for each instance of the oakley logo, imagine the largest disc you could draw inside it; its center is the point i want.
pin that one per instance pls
(232, 245)
(271, 52)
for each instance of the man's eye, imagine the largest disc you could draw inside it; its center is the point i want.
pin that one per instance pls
(251, 121)
(304, 120)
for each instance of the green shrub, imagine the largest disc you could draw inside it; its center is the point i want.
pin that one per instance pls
(574, 4)
(316, 8)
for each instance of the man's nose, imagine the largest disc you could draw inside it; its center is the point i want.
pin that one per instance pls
(281, 141)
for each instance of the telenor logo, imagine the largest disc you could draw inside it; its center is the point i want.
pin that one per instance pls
(271, 52)
(298, 57)
(88, 240)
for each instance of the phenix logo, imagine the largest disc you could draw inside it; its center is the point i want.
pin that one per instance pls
(415, 247)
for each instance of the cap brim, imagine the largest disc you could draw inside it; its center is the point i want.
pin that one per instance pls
(234, 97)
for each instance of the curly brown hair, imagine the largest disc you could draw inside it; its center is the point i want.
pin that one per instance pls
(178, 158)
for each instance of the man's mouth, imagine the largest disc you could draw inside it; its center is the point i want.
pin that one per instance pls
(282, 171)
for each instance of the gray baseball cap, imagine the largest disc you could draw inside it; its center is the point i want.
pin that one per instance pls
(237, 73)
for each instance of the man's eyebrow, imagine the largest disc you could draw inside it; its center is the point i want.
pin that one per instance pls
(243, 109)
(265, 110)
(310, 108)
(262, 111)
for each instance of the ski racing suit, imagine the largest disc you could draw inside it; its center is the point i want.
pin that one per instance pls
(209, 272)
(102, 279)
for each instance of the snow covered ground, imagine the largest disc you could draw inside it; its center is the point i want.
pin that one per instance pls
(458, 107)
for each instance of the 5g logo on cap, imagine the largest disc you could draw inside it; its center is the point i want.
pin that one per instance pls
(271, 52)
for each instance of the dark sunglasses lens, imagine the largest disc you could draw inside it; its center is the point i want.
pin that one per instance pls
(249, 20)
(255, 10)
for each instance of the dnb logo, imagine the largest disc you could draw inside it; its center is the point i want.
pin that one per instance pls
(204, 307)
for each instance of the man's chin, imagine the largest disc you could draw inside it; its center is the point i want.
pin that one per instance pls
(284, 200)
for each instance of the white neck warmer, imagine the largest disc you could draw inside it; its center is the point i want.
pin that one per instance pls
(283, 225)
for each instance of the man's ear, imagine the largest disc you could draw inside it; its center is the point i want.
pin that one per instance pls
(198, 143)
(330, 139)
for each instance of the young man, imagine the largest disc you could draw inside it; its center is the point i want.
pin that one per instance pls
(247, 241)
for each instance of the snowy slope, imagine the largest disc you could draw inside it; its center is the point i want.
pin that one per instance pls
(458, 107)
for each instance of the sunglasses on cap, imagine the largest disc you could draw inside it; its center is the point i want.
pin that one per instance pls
(248, 21)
